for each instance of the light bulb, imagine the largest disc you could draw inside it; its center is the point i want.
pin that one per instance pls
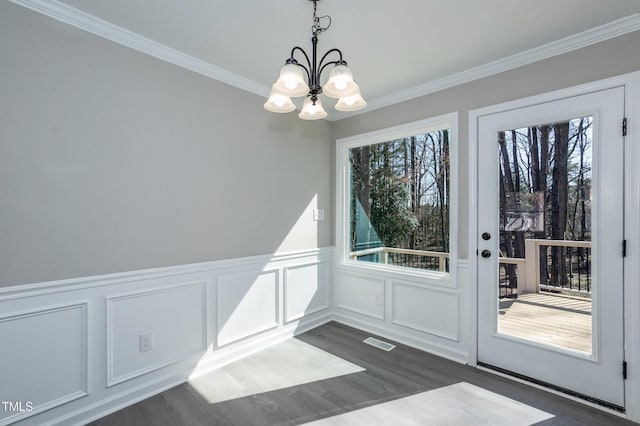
(278, 102)
(340, 83)
(311, 111)
(291, 81)
(291, 84)
(351, 103)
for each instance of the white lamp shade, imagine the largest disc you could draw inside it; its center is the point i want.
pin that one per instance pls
(351, 103)
(340, 83)
(278, 102)
(311, 111)
(291, 81)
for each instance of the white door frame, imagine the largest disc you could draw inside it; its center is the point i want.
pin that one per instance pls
(631, 82)
(598, 373)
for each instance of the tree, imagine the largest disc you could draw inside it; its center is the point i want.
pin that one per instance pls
(391, 215)
(403, 186)
(360, 186)
(559, 197)
(545, 180)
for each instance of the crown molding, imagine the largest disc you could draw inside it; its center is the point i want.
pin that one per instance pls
(90, 23)
(87, 22)
(595, 35)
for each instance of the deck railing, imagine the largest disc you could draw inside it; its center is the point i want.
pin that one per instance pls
(550, 265)
(420, 259)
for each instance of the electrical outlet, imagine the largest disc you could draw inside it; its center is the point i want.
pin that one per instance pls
(146, 342)
(378, 299)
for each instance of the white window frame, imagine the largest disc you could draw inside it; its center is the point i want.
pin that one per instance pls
(343, 195)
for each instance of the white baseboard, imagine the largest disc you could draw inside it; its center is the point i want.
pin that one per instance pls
(113, 403)
(404, 338)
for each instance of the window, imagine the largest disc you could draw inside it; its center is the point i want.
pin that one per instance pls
(397, 197)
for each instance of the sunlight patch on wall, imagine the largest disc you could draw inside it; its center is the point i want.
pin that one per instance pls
(304, 233)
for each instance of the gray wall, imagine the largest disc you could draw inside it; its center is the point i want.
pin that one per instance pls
(607, 59)
(112, 161)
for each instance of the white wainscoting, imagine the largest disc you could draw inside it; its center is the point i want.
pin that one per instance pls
(425, 309)
(247, 304)
(74, 345)
(427, 314)
(43, 359)
(361, 294)
(306, 289)
(173, 337)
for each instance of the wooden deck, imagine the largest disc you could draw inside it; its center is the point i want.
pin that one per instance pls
(548, 318)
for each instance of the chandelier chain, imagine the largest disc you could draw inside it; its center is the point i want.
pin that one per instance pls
(317, 27)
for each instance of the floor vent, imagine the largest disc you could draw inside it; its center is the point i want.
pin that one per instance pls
(379, 344)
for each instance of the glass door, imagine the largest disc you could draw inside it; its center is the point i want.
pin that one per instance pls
(550, 191)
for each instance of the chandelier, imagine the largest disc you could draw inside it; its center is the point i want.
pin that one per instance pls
(303, 79)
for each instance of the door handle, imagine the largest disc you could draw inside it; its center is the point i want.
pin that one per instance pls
(485, 253)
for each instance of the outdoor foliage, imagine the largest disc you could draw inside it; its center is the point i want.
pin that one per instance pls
(545, 193)
(403, 188)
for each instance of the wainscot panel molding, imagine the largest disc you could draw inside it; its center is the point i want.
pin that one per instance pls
(44, 358)
(79, 348)
(306, 289)
(75, 284)
(361, 294)
(247, 304)
(172, 337)
(424, 309)
(412, 310)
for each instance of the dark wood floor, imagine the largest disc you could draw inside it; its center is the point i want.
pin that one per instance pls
(329, 377)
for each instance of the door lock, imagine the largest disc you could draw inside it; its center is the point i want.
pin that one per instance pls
(485, 253)
(486, 236)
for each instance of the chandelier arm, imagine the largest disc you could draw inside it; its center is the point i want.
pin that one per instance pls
(322, 66)
(328, 53)
(294, 61)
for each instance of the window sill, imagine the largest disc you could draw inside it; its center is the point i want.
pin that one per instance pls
(419, 276)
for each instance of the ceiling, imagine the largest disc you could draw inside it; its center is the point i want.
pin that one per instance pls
(396, 49)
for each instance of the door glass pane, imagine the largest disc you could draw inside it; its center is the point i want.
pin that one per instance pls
(545, 259)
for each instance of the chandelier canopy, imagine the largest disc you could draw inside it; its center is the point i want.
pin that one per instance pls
(303, 79)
